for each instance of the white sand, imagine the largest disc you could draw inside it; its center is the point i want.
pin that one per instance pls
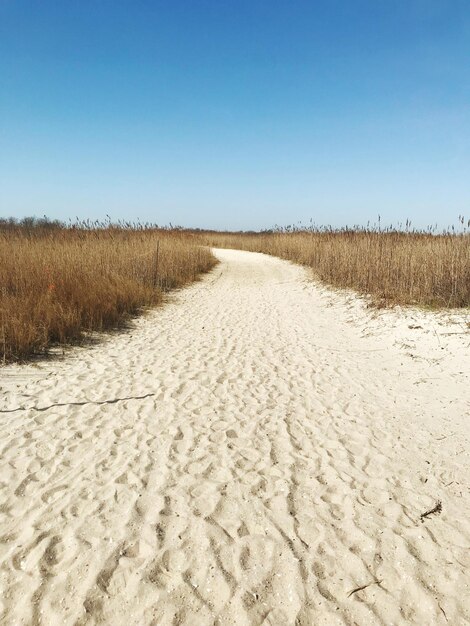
(292, 440)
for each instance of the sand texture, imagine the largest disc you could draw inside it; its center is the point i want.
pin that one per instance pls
(258, 451)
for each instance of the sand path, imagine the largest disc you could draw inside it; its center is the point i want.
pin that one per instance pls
(250, 454)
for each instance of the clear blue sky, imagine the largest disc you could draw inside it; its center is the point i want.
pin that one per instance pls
(236, 113)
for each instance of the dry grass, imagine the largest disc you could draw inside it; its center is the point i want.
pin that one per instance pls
(394, 267)
(57, 284)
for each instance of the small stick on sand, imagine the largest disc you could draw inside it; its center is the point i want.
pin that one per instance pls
(444, 437)
(443, 612)
(435, 509)
(375, 582)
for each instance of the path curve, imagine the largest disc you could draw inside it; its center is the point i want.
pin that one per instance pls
(259, 451)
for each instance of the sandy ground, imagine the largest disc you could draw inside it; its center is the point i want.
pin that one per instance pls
(259, 451)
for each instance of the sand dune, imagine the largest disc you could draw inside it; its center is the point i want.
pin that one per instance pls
(259, 451)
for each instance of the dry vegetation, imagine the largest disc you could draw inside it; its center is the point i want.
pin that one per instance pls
(58, 283)
(395, 267)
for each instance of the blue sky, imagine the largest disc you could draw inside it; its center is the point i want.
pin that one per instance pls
(236, 114)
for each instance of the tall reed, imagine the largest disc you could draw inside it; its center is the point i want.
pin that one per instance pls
(57, 283)
(395, 267)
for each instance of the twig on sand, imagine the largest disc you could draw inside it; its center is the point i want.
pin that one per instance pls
(82, 403)
(374, 582)
(435, 509)
(443, 612)
(444, 437)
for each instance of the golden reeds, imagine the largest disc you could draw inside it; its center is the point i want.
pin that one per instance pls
(57, 283)
(395, 267)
